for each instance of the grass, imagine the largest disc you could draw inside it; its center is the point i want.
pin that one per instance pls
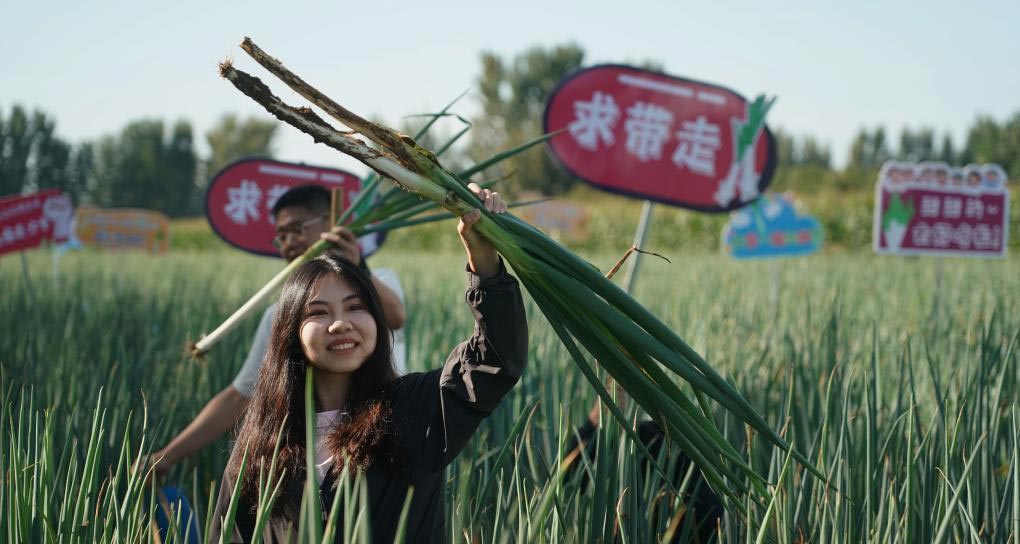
(903, 396)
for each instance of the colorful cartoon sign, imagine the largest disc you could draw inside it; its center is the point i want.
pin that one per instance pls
(558, 216)
(771, 227)
(240, 198)
(934, 209)
(661, 138)
(123, 229)
(27, 221)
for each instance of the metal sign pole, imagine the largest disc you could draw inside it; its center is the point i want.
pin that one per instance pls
(28, 281)
(939, 270)
(774, 292)
(639, 240)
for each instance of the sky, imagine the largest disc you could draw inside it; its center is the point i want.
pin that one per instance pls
(835, 68)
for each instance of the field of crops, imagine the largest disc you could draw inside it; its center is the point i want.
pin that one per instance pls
(897, 380)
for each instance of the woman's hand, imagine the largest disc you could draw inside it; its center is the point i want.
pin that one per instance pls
(481, 254)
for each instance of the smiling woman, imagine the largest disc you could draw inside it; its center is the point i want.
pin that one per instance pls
(338, 333)
(399, 432)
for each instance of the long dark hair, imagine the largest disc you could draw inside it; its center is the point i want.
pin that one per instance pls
(278, 402)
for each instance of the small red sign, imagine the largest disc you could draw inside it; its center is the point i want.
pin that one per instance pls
(240, 198)
(662, 138)
(934, 209)
(26, 221)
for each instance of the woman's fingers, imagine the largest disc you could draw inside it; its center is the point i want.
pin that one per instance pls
(482, 256)
(492, 200)
(471, 217)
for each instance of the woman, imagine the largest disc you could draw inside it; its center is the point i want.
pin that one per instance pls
(399, 432)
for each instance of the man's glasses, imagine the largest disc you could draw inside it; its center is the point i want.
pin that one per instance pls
(299, 229)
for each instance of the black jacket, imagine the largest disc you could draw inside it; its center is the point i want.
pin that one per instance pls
(434, 414)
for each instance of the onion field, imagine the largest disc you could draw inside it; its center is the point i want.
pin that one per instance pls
(896, 377)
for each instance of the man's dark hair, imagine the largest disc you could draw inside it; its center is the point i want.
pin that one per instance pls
(315, 198)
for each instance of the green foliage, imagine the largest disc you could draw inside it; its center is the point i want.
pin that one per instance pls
(916, 146)
(148, 166)
(513, 96)
(194, 234)
(990, 141)
(869, 149)
(231, 139)
(803, 151)
(33, 157)
(912, 411)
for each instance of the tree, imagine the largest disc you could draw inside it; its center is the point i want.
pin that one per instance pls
(988, 141)
(916, 146)
(513, 98)
(33, 157)
(15, 148)
(231, 139)
(879, 148)
(149, 167)
(79, 173)
(814, 153)
(785, 151)
(1011, 145)
(947, 153)
(803, 151)
(869, 150)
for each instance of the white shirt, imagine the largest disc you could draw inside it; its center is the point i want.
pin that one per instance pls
(324, 422)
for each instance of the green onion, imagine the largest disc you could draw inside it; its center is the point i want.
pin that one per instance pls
(585, 308)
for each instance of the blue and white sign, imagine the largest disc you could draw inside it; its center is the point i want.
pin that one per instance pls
(771, 227)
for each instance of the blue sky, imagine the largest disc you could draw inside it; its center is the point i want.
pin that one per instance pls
(834, 68)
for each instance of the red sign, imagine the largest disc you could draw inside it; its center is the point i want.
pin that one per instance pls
(26, 221)
(240, 198)
(662, 138)
(933, 209)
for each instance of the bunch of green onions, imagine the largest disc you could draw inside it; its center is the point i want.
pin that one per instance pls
(588, 312)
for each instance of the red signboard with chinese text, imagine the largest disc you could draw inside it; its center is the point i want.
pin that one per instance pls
(240, 197)
(659, 137)
(27, 221)
(933, 209)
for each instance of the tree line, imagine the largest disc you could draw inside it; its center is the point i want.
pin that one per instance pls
(154, 164)
(147, 164)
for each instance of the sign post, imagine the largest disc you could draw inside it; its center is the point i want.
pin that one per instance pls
(29, 220)
(772, 227)
(661, 138)
(639, 241)
(932, 209)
